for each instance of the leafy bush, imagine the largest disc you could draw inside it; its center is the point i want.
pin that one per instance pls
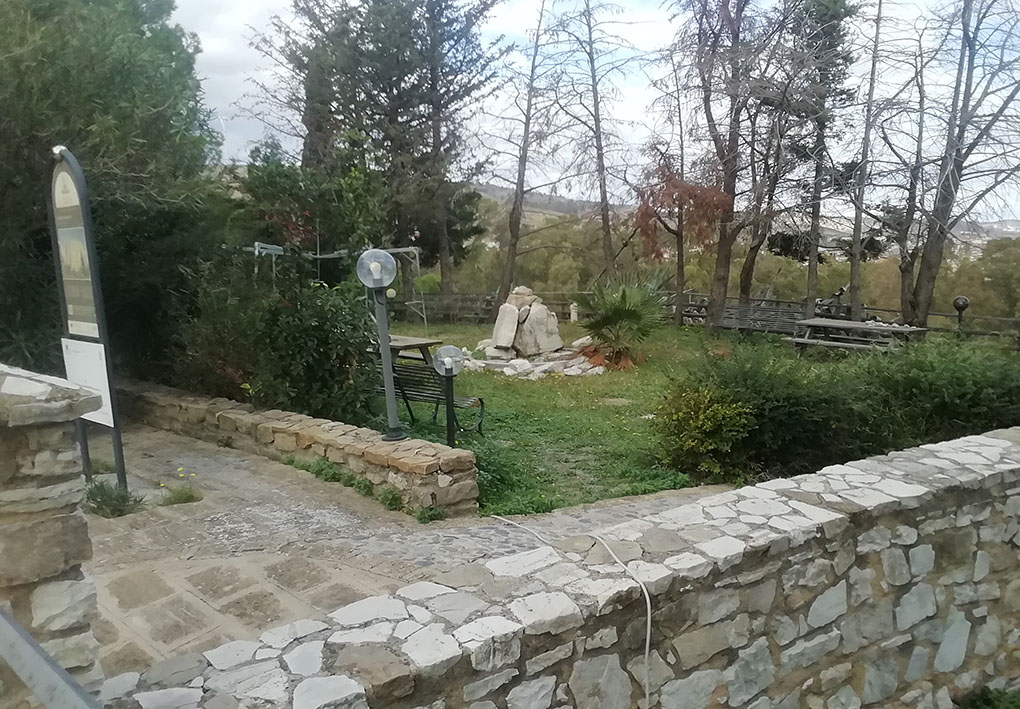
(992, 699)
(943, 388)
(699, 430)
(621, 314)
(179, 495)
(218, 340)
(316, 354)
(324, 470)
(428, 284)
(390, 498)
(107, 500)
(363, 487)
(429, 514)
(761, 411)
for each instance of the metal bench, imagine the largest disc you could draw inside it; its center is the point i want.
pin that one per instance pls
(420, 382)
(757, 318)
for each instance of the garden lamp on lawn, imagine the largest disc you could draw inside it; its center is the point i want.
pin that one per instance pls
(960, 303)
(376, 270)
(448, 361)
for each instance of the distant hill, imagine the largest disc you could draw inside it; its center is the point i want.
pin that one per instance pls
(541, 203)
(833, 228)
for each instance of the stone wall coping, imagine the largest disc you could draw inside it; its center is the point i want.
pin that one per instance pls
(426, 474)
(551, 600)
(411, 455)
(28, 398)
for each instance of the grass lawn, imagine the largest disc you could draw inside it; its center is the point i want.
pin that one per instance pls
(562, 440)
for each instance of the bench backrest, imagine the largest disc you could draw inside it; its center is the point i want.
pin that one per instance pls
(417, 376)
(757, 317)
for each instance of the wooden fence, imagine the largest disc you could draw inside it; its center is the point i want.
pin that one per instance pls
(479, 308)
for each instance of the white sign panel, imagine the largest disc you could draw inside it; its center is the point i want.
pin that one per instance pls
(85, 363)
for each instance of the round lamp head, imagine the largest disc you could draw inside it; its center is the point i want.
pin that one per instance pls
(961, 303)
(448, 359)
(376, 268)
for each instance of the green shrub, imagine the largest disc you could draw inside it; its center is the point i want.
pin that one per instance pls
(992, 699)
(429, 514)
(390, 498)
(759, 410)
(805, 415)
(316, 357)
(363, 486)
(218, 339)
(428, 284)
(943, 388)
(179, 495)
(108, 500)
(621, 314)
(323, 470)
(699, 430)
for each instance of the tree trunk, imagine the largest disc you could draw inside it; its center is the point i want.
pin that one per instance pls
(908, 306)
(747, 269)
(407, 283)
(446, 286)
(681, 267)
(857, 239)
(506, 280)
(814, 236)
(600, 151)
(437, 168)
(721, 275)
(316, 115)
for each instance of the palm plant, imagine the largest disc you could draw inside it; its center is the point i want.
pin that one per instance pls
(621, 314)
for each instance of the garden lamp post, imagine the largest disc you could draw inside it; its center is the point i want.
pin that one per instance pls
(961, 303)
(448, 361)
(376, 270)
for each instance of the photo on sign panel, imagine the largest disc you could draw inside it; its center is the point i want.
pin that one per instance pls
(75, 270)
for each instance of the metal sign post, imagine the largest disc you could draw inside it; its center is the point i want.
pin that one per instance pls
(48, 681)
(85, 342)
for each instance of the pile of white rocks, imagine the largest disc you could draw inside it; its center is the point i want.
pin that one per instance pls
(526, 342)
(524, 328)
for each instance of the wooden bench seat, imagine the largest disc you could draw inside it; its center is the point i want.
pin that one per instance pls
(757, 318)
(419, 382)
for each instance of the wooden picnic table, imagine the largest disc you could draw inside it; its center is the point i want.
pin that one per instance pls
(851, 334)
(401, 343)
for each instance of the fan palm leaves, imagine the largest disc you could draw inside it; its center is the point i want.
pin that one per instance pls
(621, 314)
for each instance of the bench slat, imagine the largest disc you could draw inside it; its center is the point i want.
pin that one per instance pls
(802, 341)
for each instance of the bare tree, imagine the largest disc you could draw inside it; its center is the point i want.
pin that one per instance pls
(861, 178)
(590, 55)
(962, 96)
(536, 73)
(982, 128)
(720, 49)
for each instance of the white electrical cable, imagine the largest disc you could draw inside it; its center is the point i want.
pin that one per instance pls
(644, 590)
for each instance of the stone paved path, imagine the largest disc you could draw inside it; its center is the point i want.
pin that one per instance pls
(269, 544)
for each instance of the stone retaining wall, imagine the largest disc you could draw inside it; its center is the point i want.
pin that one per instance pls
(426, 474)
(43, 535)
(889, 582)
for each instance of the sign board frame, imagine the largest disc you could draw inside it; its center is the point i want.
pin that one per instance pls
(83, 315)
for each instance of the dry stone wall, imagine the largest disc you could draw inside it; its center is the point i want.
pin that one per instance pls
(889, 582)
(426, 474)
(43, 534)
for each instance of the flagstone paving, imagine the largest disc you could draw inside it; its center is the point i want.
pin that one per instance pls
(269, 544)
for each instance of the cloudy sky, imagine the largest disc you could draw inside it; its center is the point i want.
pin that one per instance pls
(228, 63)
